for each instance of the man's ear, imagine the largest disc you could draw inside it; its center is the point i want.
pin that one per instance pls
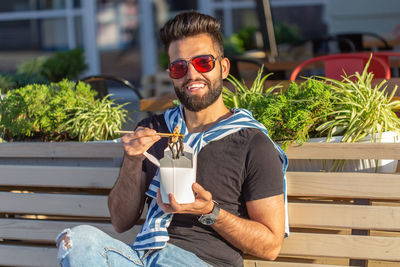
(225, 66)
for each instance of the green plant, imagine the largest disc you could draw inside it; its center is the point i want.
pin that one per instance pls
(361, 109)
(30, 71)
(247, 37)
(32, 67)
(233, 46)
(6, 83)
(67, 64)
(287, 33)
(244, 97)
(96, 120)
(298, 110)
(290, 115)
(163, 60)
(176, 103)
(43, 70)
(239, 42)
(38, 111)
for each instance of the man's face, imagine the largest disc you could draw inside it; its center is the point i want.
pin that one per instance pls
(197, 90)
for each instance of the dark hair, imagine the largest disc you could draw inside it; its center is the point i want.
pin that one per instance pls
(188, 24)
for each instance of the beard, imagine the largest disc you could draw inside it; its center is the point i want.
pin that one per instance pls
(197, 103)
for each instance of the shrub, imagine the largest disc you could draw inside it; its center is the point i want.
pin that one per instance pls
(66, 64)
(39, 111)
(352, 107)
(291, 115)
(43, 70)
(6, 83)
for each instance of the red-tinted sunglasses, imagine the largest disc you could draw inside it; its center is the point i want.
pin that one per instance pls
(203, 63)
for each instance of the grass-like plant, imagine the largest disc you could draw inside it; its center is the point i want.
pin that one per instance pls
(249, 98)
(361, 109)
(96, 120)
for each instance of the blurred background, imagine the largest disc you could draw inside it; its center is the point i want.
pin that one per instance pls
(29, 28)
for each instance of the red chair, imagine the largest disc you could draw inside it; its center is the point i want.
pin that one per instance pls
(336, 65)
(384, 55)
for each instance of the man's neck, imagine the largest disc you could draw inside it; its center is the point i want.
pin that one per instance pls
(205, 119)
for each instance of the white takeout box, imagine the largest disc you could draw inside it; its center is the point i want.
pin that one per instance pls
(178, 175)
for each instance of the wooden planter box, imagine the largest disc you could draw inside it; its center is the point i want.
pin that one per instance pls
(359, 165)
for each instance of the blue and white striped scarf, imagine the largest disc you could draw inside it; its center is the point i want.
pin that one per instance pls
(154, 234)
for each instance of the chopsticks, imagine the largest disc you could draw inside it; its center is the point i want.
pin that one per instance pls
(160, 134)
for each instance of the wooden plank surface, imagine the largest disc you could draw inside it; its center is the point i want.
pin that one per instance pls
(54, 204)
(48, 230)
(28, 256)
(344, 246)
(345, 185)
(61, 150)
(158, 103)
(344, 151)
(264, 263)
(111, 150)
(58, 176)
(344, 216)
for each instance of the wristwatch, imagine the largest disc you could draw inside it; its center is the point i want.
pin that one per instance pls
(210, 218)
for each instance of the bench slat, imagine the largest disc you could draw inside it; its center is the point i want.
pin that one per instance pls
(27, 256)
(262, 263)
(344, 185)
(47, 230)
(115, 150)
(351, 216)
(54, 204)
(61, 150)
(342, 246)
(59, 176)
(344, 151)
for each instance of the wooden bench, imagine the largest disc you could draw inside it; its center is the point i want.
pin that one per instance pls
(45, 188)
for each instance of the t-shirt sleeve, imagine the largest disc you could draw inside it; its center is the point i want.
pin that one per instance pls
(264, 175)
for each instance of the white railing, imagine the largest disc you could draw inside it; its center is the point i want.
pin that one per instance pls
(87, 12)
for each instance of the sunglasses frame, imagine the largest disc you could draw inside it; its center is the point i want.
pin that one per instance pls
(191, 62)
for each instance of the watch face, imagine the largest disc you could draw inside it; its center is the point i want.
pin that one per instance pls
(207, 220)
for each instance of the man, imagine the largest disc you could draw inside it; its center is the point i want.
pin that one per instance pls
(239, 201)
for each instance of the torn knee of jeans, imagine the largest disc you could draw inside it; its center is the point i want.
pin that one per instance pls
(64, 243)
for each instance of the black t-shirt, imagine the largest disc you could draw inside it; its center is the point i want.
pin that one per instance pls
(240, 167)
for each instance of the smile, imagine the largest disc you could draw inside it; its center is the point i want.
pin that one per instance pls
(195, 86)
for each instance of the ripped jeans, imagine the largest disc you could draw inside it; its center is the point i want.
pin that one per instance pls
(86, 245)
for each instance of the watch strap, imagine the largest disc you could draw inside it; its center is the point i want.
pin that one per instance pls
(210, 218)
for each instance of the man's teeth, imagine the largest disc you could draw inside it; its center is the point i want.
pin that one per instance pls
(197, 85)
